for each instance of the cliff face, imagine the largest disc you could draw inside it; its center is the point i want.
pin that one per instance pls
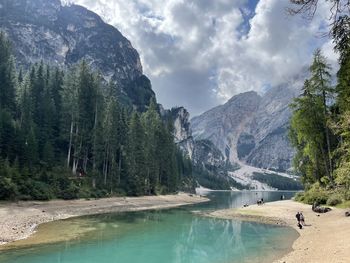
(182, 131)
(206, 154)
(223, 125)
(270, 130)
(202, 152)
(252, 129)
(64, 35)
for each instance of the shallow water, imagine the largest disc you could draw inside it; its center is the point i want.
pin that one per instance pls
(174, 235)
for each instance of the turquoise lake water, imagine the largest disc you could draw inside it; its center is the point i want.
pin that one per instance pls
(174, 236)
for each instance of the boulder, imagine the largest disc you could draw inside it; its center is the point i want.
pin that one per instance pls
(320, 209)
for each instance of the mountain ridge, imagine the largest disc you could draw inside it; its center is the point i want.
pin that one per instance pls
(62, 35)
(255, 128)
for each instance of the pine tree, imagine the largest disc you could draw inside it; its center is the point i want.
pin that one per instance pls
(136, 157)
(321, 85)
(7, 76)
(69, 116)
(307, 134)
(152, 124)
(87, 94)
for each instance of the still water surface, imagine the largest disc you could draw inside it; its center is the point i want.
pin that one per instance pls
(164, 236)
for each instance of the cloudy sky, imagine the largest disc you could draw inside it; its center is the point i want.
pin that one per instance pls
(199, 53)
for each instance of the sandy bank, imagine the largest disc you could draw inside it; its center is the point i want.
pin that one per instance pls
(18, 220)
(326, 238)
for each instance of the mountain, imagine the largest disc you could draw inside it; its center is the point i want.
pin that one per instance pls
(223, 124)
(252, 129)
(63, 35)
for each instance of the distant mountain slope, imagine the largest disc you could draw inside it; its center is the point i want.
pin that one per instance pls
(63, 35)
(223, 124)
(252, 128)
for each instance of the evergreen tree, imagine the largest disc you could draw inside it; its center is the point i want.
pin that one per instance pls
(321, 84)
(69, 116)
(87, 110)
(306, 133)
(51, 121)
(7, 77)
(152, 124)
(137, 174)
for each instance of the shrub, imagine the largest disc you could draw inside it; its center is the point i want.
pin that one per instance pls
(299, 196)
(71, 192)
(8, 189)
(334, 199)
(40, 191)
(315, 194)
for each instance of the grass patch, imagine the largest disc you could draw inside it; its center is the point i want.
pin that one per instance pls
(344, 205)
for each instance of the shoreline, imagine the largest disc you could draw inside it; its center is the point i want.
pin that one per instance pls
(20, 220)
(325, 238)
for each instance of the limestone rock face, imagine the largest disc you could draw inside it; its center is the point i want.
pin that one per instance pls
(206, 153)
(182, 130)
(63, 35)
(270, 129)
(252, 129)
(223, 124)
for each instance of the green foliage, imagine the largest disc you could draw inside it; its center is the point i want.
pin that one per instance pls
(71, 192)
(66, 135)
(40, 191)
(315, 194)
(309, 132)
(279, 182)
(334, 199)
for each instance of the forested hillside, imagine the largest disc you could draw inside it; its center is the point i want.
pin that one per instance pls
(65, 134)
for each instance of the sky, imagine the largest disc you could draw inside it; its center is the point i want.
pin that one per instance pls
(200, 53)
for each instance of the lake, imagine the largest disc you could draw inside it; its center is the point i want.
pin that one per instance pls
(173, 235)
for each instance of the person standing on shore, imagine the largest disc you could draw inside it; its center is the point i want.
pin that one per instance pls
(298, 219)
(302, 219)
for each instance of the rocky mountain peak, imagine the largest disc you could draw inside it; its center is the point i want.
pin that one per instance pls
(251, 128)
(64, 35)
(223, 124)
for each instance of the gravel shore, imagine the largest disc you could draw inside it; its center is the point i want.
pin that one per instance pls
(19, 220)
(325, 238)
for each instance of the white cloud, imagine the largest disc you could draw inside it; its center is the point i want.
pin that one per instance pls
(196, 55)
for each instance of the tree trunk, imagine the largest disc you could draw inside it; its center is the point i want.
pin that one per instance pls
(119, 165)
(325, 163)
(94, 146)
(327, 139)
(70, 143)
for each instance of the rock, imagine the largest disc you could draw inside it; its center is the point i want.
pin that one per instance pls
(320, 209)
(64, 35)
(252, 128)
(224, 124)
(347, 213)
(182, 130)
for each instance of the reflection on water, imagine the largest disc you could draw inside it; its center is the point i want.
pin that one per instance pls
(174, 235)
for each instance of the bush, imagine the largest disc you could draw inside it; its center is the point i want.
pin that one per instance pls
(40, 191)
(315, 194)
(71, 192)
(334, 199)
(300, 197)
(8, 189)
(347, 195)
